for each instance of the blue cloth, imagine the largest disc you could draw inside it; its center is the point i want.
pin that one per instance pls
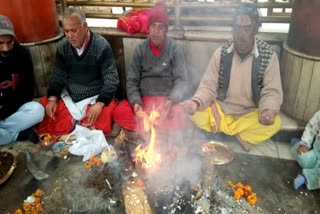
(299, 181)
(310, 160)
(25, 117)
(294, 141)
(310, 164)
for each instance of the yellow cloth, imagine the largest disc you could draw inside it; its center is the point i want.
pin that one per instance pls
(247, 126)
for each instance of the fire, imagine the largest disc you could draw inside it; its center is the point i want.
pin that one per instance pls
(147, 156)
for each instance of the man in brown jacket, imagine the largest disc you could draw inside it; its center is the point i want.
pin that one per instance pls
(240, 93)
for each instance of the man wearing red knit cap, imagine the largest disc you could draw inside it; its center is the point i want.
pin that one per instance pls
(156, 79)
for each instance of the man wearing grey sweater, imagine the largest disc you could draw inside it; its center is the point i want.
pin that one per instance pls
(156, 79)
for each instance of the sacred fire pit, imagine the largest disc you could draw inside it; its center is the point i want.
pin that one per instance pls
(168, 181)
(151, 179)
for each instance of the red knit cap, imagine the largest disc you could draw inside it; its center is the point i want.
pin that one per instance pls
(159, 13)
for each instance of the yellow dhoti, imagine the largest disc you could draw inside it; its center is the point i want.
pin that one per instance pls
(247, 127)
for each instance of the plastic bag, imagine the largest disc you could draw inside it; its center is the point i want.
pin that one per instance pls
(89, 142)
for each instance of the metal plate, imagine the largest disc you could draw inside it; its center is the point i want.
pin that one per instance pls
(9, 163)
(221, 153)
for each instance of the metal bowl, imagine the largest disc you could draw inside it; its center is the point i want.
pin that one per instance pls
(221, 153)
(8, 163)
(46, 141)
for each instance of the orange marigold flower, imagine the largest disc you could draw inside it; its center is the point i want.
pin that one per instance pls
(34, 210)
(231, 184)
(87, 165)
(39, 207)
(239, 185)
(26, 207)
(247, 188)
(99, 162)
(93, 161)
(252, 199)
(38, 193)
(37, 201)
(240, 191)
(236, 195)
(18, 211)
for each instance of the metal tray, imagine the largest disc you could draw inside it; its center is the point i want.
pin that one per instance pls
(221, 153)
(9, 164)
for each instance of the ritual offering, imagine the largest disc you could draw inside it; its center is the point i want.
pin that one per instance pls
(46, 141)
(243, 191)
(221, 153)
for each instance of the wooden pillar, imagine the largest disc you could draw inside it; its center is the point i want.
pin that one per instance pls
(300, 63)
(301, 79)
(43, 55)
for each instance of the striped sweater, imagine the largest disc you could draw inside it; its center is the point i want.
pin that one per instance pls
(92, 73)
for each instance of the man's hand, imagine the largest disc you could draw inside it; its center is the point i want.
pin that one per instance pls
(301, 149)
(51, 106)
(190, 106)
(138, 110)
(164, 109)
(94, 113)
(267, 117)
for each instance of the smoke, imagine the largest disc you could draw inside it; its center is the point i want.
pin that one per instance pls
(75, 189)
(181, 159)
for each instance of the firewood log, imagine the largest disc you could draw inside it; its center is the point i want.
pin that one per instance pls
(135, 199)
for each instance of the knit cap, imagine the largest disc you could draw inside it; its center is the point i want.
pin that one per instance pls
(6, 27)
(159, 13)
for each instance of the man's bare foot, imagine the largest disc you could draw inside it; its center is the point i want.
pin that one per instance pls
(246, 145)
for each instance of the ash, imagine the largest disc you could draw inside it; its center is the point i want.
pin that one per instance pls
(86, 191)
(177, 200)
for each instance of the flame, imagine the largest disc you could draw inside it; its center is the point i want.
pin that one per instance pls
(147, 156)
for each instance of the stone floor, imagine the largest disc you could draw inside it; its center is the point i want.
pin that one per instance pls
(268, 168)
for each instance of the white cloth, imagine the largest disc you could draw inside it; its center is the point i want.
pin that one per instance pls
(77, 110)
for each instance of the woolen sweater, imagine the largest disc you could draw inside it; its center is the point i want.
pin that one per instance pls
(163, 75)
(92, 73)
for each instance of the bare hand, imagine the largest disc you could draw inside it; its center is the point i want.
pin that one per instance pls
(164, 109)
(51, 108)
(302, 149)
(190, 107)
(267, 117)
(138, 110)
(94, 112)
